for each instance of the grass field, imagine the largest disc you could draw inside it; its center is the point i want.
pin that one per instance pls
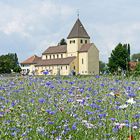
(69, 108)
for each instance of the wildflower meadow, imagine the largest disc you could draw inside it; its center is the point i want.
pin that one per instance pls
(69, 108)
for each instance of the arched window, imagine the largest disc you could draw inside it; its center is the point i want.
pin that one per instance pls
(81, 41)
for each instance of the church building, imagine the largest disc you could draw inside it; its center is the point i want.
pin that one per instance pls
(79, 56)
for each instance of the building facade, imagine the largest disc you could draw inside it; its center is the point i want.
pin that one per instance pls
(79, 56)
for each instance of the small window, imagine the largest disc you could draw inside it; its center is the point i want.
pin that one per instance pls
(85, 71)
(85, 41)
(50, 56)
(46, 57)
(82, 61)
(61, 67)
(53, 56)
(66, 67)
(70, 41)
(57, 56)
(81, 41)
(73, 41)
(74, 67)
(61, 55)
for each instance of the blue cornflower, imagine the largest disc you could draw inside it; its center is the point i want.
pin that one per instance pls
(102, 116)
(137, 116)
(113, 119)
(131, 95)
(46, 72)
(88, 112)
(74, 126)
(41, 100)
(50, 122)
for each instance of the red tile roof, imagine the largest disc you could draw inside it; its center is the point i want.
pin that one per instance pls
(85, 47)
(59, 61)
(32, 60)
(132, 65)
(56, 49)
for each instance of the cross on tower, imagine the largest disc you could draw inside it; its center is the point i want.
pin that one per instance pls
(78, 13)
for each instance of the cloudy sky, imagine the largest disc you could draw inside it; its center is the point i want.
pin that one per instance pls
(28, 27)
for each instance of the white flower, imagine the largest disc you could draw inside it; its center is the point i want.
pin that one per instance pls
(123, 106)
(111, 93)
(88, 125)
(131, 101)
(135, 127)
(84, 121)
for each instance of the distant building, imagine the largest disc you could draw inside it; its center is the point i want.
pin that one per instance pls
(132, 65)
(79, 56)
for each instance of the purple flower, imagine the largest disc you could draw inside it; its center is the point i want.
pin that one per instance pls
(41, 100)
(50, 122)
(46, 72)
(112, 119)
(137, 116)
(102, 116)
(74, 126)
(131, 95)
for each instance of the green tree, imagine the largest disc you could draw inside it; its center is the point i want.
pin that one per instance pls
(136, 57)
(119, 58)
(8, 63)
(137, 70)
(62, 42)
(102, 66)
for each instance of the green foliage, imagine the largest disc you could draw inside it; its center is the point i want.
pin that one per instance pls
(62, 42)
(137, 70)
(120, 57)
(8, 63)
(136, 57)
(102, 66)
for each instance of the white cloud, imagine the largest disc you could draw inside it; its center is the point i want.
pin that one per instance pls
(110, 35)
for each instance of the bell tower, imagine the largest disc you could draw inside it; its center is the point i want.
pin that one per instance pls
(76, 38)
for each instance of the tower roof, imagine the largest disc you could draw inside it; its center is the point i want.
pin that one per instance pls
(78, 31)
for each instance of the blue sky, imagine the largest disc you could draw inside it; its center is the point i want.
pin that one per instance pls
(28, 27)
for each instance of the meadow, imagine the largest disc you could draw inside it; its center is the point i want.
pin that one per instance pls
(70, 108)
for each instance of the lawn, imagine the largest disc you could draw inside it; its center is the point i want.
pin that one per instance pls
(69, 108)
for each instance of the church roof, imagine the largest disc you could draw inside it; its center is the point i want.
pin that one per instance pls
(85, 47)
(56, 49)
(78, 31)
(59, 61)
(31, 60)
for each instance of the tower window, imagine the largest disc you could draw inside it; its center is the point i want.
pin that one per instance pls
(85, 41)
(70, 41)
(54, 56)
(82, 61)
(81, 41)
(46, 56)
(57, 56)
(50, 56)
